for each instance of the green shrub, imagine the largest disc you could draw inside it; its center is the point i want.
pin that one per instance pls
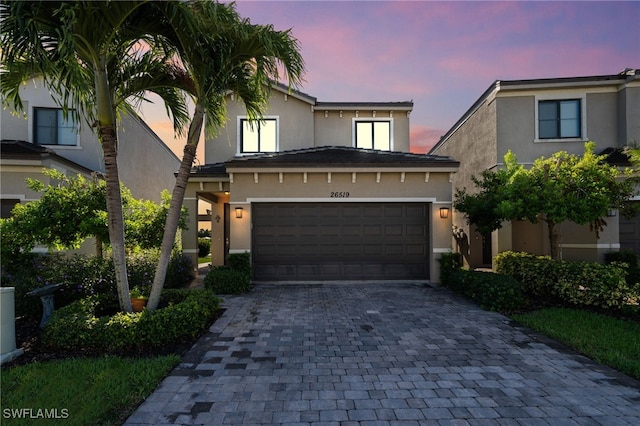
(630, 258)
(592, 284)
(575, 283)
(494, 292)
(234, 278)
(536, 273)
(204, 247)
(84, 276)
(226, 280)
(187, 314)
(180, 272)
(449, 263)
(624, 256)
(240, 262)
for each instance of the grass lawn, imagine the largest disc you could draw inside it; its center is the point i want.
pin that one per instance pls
(611, 341)
(82, 391)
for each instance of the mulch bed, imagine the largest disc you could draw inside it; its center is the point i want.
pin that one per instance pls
(28, 338)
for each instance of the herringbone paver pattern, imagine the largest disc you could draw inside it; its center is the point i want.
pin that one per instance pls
(381, 355)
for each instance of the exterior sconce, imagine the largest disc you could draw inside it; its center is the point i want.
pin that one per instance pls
(239, 212)
(444, 212)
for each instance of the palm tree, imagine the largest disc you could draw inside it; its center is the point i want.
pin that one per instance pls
(221, 53)
(96, 56)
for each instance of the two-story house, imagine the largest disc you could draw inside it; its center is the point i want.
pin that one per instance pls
(320, 191)
(535, 118)
(43, 137)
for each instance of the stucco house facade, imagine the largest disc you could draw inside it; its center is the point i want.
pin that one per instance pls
(535, 118)
(322, 191)
(42, 138)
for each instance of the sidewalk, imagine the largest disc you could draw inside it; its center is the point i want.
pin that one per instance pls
(381, 355)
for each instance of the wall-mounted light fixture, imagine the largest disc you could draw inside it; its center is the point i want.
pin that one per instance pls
(444, 212)
(239, 212)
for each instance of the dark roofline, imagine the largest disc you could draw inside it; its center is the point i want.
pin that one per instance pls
(626, 75)
(402, 106)
(399, 106)
(15, 149)
(341, 156)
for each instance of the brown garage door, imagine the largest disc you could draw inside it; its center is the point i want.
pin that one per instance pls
(340, 241)
(630, 233)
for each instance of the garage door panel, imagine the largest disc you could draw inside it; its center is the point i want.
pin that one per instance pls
(371, 231)
(339, 241)
(630, 233)
(393, 230)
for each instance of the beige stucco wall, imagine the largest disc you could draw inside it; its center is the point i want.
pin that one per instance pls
(516, 124)
(506, 121)
(13, 126)
(332, 129)
(629, 109)
(391, 187)
(295, 126)
(474, 145)
(146, 165)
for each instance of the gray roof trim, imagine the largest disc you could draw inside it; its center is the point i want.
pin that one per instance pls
(293, 92)
(393, 106)
(340, 156)
(18, 149)
(626, 76)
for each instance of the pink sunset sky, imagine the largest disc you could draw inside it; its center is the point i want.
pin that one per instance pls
(444, 55)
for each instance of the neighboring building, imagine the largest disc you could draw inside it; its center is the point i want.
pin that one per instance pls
(535, 118)
(324, 191)
(41, 137)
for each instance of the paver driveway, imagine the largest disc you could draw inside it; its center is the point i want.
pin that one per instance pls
(381, 355)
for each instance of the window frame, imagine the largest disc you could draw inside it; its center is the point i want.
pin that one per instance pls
(354, 135)
(34, 127)
(240, 127)
(581, 98)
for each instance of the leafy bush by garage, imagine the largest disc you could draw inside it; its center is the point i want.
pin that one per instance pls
(187, 314)
(449, 263)
(234, 278)
(225, 280)
(493, 292)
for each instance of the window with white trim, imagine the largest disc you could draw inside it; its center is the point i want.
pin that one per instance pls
(373, 134)
(258, 136)
(560, 119)
(50, 127)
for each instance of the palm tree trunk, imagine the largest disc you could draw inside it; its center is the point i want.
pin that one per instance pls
(108, 134)
(115, 216)
(175, 208)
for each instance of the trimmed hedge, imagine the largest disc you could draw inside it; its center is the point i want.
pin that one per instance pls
(234, 278)
(630, 258)
(204, 246)
(576, 283)
(187, 314)
(449, 263)
(493, 292)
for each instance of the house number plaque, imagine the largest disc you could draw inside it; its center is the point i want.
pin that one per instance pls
(339, 194)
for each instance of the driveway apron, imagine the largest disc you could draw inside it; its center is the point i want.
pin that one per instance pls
(395, 354)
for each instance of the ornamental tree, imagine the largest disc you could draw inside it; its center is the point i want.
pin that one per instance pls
(72, 209)
(563, 187)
